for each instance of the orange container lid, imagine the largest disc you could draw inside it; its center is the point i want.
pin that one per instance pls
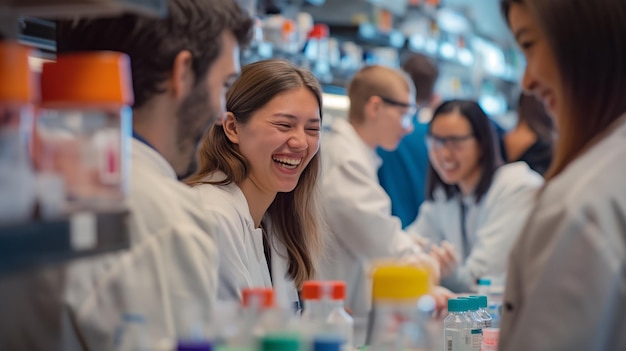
(17, 82)
(314, 289)
(265, 296)
(99, 77)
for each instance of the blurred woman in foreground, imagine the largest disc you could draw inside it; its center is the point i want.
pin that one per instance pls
(566, 286)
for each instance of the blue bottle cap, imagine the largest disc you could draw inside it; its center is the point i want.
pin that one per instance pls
(194, 346)
(327, 344)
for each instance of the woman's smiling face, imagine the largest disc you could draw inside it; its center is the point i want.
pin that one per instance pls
(541, 76)
(280, 140)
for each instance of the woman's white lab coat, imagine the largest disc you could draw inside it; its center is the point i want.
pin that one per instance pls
(240, 244)
(566, 285)
(358, 212)
(169, 270)
(492, 225)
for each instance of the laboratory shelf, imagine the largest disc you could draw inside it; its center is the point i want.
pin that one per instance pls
(72, 8)
(36, 243)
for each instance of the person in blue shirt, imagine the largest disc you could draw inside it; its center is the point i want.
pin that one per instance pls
(403, 171)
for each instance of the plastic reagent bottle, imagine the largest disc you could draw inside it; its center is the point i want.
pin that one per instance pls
(324, 307)
(256, 303)
(475, 311)
(394, 323)
(476, 330)
(484, 286)
(482, 311)
(456, 327)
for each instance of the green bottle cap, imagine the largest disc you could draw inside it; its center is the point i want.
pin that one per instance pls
(280, 342)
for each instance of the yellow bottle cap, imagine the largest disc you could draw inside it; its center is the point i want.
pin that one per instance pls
(399, 282)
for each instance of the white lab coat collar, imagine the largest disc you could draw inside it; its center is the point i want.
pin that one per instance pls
(235, 191)
(152, 158)
(342, 126)
(284, 288)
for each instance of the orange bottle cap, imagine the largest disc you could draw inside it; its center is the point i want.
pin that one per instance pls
(101, 77)
(288, 26)
(315, 289)
(263, 296)
(18, 84)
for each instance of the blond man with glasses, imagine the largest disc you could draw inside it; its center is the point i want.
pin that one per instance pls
(358, 210)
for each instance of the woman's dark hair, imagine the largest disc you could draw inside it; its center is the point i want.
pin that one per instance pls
(587, 40)
(531, 111)
(484, 133)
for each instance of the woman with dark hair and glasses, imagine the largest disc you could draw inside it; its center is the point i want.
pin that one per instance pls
(475, 207)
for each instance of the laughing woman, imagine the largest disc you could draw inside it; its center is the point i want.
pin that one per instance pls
(257, 180)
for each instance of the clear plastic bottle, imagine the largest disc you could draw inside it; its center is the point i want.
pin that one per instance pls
(83, 129)
(132, 334)
(476, 329)
(318, 41)
(394, 323)
(482, 310)
(17, 96)
(484, 286)
(256, 319)
(456, 327)
(324, 309)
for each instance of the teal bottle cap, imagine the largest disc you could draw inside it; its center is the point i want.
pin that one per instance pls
(472, 304)
(482, 299)
(457, 305)
(484, 281)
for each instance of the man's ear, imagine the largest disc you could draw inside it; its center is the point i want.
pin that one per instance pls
(182, 75)
(372, 107)
(231, 127)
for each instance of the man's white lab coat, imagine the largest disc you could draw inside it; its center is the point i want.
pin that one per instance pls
(566, 284)
(492, 225)
(240, 243)
(166, 281)
(358, 211)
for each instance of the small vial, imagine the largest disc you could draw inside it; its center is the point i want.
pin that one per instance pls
(490, 339)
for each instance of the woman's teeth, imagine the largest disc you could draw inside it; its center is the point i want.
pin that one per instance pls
(289, 163)
(448, 166)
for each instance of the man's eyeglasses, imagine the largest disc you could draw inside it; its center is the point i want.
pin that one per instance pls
(408, 116)
(454, 142)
